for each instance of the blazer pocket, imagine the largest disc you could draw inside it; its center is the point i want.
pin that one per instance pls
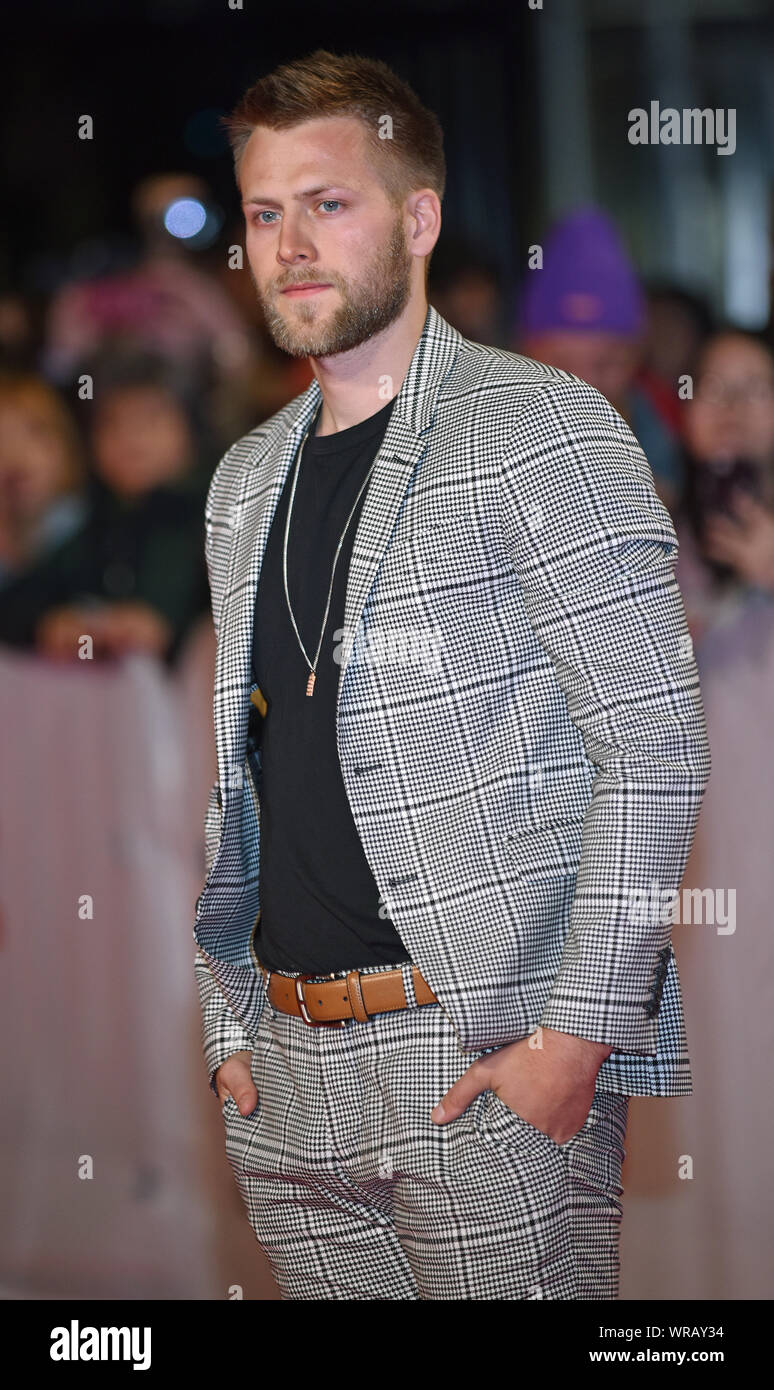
(440, 537)
(547, 851)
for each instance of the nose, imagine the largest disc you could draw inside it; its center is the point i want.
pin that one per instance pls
(294, 247)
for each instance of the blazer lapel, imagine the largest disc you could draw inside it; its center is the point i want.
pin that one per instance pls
(402, 448)
(260, 489)
(259, 493)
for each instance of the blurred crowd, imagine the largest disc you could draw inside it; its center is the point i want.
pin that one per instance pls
(119, 394)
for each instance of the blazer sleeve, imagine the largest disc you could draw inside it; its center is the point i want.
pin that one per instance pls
(594, 549)
(222, 1033)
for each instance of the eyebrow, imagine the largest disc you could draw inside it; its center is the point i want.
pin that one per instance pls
(299, 197)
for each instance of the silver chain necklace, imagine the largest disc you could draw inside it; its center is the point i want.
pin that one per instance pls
(313, 665)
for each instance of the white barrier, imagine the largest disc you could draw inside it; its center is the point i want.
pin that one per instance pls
(711, 1235)
(105, 773)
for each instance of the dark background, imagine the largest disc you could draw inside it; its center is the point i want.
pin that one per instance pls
(156, 75)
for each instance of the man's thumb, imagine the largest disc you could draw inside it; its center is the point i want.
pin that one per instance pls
(246, 1098)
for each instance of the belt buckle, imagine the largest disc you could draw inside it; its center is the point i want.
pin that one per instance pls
(306, 1016)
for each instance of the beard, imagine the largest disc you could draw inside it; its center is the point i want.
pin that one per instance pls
(366, 308)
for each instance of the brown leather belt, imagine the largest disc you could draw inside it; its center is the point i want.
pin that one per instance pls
(332, 1003)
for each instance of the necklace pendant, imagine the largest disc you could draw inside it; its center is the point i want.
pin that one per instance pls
(310, 683)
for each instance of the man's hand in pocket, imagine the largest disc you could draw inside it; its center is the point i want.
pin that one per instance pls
(233, 1078)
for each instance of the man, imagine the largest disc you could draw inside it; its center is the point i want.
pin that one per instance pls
(461, 716)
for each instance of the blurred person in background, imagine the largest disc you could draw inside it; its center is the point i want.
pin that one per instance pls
(464, 285)
(166, 303)
(725, 570)
(725, 520)
(678, 324)
(133, 575)
(584, 312)
(21, 331)
(41, 472)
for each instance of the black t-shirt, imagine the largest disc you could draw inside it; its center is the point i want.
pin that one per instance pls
(320, 905)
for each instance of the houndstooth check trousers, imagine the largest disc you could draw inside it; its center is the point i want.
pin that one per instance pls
(353, 1192)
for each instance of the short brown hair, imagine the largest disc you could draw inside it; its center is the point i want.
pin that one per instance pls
(328, 84)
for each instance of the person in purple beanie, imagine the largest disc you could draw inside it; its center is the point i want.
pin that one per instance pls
(583, 310)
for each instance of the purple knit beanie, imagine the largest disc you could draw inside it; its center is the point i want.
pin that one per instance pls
(587, 280)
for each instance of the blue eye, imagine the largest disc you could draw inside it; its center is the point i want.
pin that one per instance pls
(258, 219)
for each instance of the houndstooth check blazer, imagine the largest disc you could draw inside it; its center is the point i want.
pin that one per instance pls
(519, 721)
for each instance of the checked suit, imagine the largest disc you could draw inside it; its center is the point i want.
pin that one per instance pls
(527, 762)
